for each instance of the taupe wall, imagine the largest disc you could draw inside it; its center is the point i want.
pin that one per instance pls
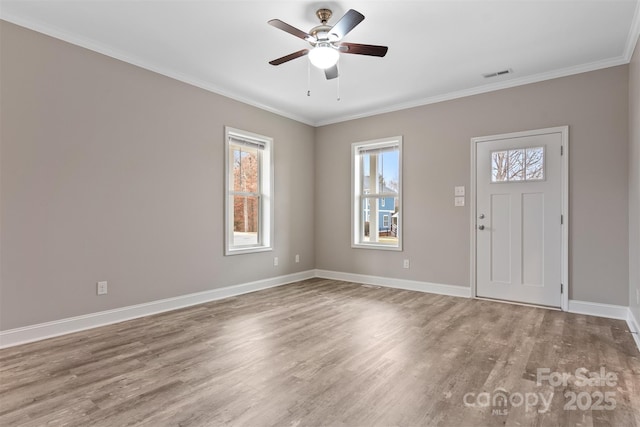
(436, 158)
(111, 172)
(634, 181)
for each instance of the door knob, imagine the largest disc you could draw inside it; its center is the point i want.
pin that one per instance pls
(481, 216)
(481, 227)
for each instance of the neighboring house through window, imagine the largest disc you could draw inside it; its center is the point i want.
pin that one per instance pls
(377, 194)
(249, 192)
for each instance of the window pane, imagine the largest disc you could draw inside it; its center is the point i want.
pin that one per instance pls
(516, 165)
(385, 164)
(499, 166)
(535, 163)
(245, 169)
(380, 225)
(246, 216)
(376, 193)
(388, 176)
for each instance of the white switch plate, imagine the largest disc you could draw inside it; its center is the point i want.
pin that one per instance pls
(458, 201)
(458, 191)
(275, 261)
(102, 288)
(297, 258)
(405, 263)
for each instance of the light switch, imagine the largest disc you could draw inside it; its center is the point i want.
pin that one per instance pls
(458, 191)
(458, 201)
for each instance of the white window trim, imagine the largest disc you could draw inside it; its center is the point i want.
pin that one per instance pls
(266, 226)
(357, 193)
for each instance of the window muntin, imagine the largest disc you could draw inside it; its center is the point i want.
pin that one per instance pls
(524, 164)
(249, 193)
(376, 194)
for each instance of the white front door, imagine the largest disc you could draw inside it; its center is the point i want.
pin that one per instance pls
(519, 205)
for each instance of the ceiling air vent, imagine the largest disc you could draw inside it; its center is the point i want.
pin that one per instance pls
(498, 73)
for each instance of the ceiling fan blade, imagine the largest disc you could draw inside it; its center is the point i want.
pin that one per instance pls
(347, 23)
(289, 29)
(331, 72)
(363, 49)
(289, 57)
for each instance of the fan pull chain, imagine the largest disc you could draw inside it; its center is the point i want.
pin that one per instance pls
(308, 78)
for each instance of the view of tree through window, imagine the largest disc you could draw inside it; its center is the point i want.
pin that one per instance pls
(246, 198)
(249, 207)
(525, 164)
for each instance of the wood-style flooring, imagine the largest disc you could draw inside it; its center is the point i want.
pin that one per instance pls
(323, 352)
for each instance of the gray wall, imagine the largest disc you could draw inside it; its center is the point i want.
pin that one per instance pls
(634, 181)
(111, 172)
(437, 156)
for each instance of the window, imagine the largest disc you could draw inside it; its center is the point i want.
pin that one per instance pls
(249, 192)
(376, 176)
(525, 164)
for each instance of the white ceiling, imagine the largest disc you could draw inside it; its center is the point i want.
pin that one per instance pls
(437, 49)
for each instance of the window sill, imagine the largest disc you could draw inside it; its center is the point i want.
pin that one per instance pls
(251, 250)
(376, 247)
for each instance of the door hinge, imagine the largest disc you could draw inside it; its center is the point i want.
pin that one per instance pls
(561, 288)
(561, 219)
(562, 150)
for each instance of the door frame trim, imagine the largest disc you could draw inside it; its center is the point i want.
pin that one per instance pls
(564, 177)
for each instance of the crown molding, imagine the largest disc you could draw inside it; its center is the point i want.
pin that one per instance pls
(634, 34)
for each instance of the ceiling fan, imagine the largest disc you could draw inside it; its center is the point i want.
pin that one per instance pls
(326, 41)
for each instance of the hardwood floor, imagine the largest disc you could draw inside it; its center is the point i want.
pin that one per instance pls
(323, 352)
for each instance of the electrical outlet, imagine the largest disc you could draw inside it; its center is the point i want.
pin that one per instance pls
(297, 258)
(275, 261)
(458, 191)
(102, 288)
(405, 263)
(458, 201)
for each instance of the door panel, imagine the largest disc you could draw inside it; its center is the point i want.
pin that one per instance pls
(500, 238)
(519, 207)
(533, 239)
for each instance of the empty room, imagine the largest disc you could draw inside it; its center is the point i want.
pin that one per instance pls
(307, 213)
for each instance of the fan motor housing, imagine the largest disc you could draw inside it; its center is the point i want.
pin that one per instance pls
(322, 33)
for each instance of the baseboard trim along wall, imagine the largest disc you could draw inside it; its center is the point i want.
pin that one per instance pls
(599, 310)
(634, 327)
(609, 311)
(389, 282)
(56, 328)
(13, 337)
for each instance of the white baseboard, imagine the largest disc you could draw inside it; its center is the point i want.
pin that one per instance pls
(411, 285)
(599, 310)
(17, 336)
(609, 311)
(13, 337)
(634, 327)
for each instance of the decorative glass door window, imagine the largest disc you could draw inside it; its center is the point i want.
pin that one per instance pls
(525, 164)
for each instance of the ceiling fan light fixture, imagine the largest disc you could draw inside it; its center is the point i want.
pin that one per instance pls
(324, 56)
